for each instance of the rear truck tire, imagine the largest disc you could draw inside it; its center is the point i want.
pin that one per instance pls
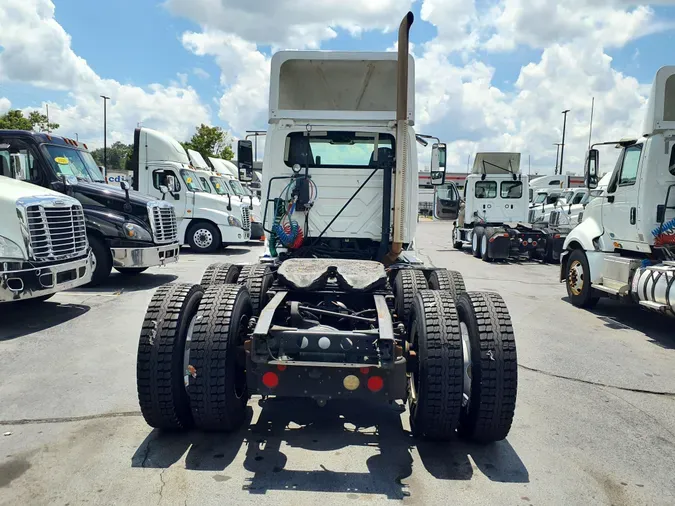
(101, 261)
(130, 271)
(219, 274)
(406, 284)
(451, 281)
(204, 237)
(579, 289)
(436, 381)
(160, 365)
(484, 252)
(476, 240)
(456, 237)
(490, 367)
(217, 387)
(258, 279)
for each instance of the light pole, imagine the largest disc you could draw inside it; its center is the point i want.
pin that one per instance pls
(105, 133)
(562, 147)
(77, 137)
(557, 157)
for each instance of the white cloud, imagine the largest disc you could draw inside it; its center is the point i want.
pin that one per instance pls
(292, 23)
(36, 50)
(201, 73)
(5, 105)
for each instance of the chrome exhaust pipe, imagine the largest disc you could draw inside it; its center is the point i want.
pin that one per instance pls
(402, 140)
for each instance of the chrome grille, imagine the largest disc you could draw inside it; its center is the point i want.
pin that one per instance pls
(55, 232)
(246, 218)
(163, 222)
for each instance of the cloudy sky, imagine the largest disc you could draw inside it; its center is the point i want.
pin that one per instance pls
(491, 74)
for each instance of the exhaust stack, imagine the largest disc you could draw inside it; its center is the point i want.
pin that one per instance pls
(402, 140)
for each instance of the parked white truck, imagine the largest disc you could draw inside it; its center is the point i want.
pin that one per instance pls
(206, 222)
(343, 311)
(625, 246)
(43, 242)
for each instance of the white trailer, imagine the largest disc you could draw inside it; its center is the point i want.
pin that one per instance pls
(625, 246)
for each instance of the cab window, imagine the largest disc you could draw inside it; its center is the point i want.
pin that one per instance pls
(17, 161)
(511, 189)
(486, 189)
(578, 198)
(629, 169)
(205, 184)
(164, 177)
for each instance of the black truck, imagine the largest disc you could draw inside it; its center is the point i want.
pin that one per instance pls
(126, 230)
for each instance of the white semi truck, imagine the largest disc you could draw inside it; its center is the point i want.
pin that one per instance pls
(206, 222)
(625, 246)
(343, 310)
(43, 241)
(493, 220)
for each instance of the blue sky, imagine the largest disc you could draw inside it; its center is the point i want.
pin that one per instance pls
(470, 98)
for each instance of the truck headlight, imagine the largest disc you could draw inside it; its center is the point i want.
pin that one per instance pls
(10, 250)
(137, 233)
(234, 222)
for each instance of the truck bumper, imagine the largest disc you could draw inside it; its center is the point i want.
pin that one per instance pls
(145, 257)
(256, 231)
(234, 235)
(41, 281)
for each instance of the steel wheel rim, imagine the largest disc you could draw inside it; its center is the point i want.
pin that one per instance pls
(414, 375)
(484, 245)
(203, 238)
(575, 278)
(186, 352)
(466, 356)
(94, 262)
(474, 241)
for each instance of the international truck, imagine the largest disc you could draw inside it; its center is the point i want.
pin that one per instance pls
(625, 246)
(493, 219)
(206, 222)
(339, 307)
(43, 240)
(125, 230)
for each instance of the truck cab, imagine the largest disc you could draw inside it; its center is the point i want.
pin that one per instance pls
(126, 230)
(625, 245)
(331, 142)
(43, 240)
(206, 221)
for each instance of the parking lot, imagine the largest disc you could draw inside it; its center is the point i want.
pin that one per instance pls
(595, 418)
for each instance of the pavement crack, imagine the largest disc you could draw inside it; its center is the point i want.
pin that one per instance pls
(161, 488)
(69, 419)
(597, 383)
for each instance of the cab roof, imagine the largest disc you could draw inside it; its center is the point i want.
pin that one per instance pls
(46, 138)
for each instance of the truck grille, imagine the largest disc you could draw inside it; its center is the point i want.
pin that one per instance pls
(56, 232)
(163, 222)
(246, 218)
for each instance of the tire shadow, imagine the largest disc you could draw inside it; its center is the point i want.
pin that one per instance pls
(18, 319)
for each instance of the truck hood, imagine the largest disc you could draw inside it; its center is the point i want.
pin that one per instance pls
(217, 202)
(101, 195)
(12, 189)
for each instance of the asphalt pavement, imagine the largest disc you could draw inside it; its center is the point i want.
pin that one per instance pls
(594, 424)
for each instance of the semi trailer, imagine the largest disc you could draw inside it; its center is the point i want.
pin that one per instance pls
(625, 246)
(339, 307)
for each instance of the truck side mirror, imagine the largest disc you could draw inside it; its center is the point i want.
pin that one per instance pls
(438, 163)
(164, 189)
(245, 160)
(125, 185)
(591, 171)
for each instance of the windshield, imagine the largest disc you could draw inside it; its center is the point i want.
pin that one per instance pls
(541, 197)
(73, 162)
(339, 149)
(220, 185)
(205, 184)
(567, 196)
(237, 188)
(191, 180)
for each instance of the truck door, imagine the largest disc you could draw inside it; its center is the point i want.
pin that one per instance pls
(176, 195)
(619, 214)
(446, 202)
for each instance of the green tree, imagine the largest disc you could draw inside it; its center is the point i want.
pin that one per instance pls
(118, 156)
(40, 122)
(15, 120)
(211, 141)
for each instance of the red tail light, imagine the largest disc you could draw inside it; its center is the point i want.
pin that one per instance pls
(375, 383)
(270, 379)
